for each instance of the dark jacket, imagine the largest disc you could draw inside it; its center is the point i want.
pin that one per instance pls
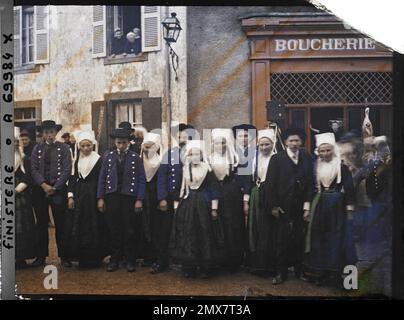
(287, 182)
(170, 175)
(60, 169)
(133, 180)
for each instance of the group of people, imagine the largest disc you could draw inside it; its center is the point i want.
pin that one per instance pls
(241, 203)
(130, 45)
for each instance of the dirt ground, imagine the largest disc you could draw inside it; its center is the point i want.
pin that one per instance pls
(141, 282)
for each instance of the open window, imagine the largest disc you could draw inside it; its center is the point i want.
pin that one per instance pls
(31, 35)
(107, 19)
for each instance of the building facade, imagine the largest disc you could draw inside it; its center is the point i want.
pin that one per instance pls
(65, 69)
(232, 61)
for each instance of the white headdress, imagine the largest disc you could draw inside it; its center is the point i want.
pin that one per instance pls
(85, 164)
(261, 161)
(190, 173)
(153, 161)
(231, 154)
(18, 153)
(270, 134)
(139, 127)
(334, 166)
(86, 135)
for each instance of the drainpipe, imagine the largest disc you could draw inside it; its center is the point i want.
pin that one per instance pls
(168, 87)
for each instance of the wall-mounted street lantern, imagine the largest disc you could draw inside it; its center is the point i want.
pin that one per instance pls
(171, 32)
(172, 28)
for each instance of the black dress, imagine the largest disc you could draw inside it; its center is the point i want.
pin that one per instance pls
(232, 219)
(24, 216)
(86, 232)
(150, 210)
(259, 231)
(327, 249)
(196, 238)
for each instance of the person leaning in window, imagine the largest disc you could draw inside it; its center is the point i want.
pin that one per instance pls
(121, 189)
(133, 45)
(118, 43)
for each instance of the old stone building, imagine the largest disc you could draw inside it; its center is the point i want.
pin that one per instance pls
(66, 72)
(232, 60)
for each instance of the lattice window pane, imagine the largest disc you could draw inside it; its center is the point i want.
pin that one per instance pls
(332, 87)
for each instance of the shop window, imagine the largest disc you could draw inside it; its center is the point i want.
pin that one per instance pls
(332, 87)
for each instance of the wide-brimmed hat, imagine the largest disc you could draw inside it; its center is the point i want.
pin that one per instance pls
(121, 133)
(49, 124)
(126, 125)
(293, 131)
(244, 127)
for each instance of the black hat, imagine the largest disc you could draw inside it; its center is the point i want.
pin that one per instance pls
(24, 133)
(184, 126)
(244, 127)
(120, 133)
(48, 124)
(294, 132)
(66, 135)
(126, 125)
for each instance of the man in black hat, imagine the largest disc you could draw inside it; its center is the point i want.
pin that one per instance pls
(121, 189)
(68, 140)
(51, 166)
(27, 144)
(134, 144)
(287, 197)
(245, 138)
(168, 191)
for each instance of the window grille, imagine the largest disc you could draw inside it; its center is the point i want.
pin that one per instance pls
(332, 87)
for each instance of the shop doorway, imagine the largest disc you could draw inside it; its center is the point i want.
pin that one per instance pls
(322, 119)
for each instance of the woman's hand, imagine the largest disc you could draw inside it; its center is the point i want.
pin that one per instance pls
(214, 214)
(138, 205)
(70, 203)
(275, 212)
(246, 207)
(101, 205)
(306, 215)
(163, 206)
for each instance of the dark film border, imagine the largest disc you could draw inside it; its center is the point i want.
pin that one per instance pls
(7, 152)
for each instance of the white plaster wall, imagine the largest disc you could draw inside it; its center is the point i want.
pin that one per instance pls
(74, 79)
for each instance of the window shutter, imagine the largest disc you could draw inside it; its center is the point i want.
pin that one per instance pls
(41, 39)
(151, 28)
(17, 35)
(99, 125)
(151, 113)
(99, 32)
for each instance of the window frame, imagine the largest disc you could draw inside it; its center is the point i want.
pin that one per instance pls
(110, 27)
(25, 33)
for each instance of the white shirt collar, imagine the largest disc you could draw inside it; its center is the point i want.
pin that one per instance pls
(125, 151)
(292, 155)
